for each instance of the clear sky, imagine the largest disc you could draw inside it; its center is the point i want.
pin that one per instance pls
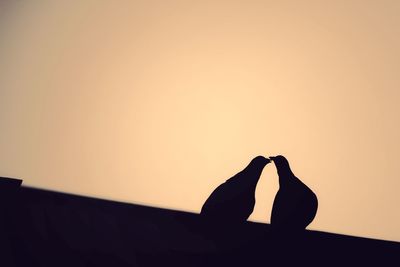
(158, 102)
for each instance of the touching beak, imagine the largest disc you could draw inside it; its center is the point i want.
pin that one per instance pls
(271, 158)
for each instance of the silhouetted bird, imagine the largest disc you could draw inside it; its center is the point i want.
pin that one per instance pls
(295, 205)
(234, 200)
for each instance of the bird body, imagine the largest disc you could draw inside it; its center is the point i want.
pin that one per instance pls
(234, 200)
(295, 204)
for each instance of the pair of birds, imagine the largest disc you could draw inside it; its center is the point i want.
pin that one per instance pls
(294, 208)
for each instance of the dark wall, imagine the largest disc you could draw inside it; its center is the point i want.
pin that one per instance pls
(45, 228)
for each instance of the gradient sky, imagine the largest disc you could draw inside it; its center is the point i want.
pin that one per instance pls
(158, 102)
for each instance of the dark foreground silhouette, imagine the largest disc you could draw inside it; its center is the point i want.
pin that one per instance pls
(234, 200)
(46, 228)
(295, 205)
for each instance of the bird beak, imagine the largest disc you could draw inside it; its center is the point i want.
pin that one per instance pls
(271, 158)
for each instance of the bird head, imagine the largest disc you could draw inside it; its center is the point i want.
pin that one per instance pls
(260, 160)
(280, 161)
(257, 164)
